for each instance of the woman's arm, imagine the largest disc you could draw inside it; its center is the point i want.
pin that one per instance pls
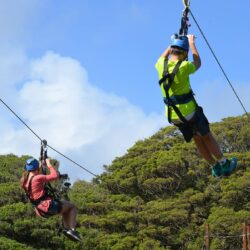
(53, 175)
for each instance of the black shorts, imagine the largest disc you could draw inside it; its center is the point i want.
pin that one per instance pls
(197, 125)
(54, 209)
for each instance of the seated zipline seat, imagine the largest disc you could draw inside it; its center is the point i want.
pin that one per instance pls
(182, 109)
(41, 196)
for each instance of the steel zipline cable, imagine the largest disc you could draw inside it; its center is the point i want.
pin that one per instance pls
(218, 62)
(187, 7)
(66, 157)
(33, 132)
(186, 11)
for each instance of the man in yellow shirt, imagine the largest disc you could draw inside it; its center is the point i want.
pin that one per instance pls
(181, 107)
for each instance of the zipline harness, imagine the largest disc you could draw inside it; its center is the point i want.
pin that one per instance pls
(168, 78)
(49, 191)
(171, 102)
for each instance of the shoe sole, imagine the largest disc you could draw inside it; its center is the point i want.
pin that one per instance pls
(71, 237)
(215, 175)
(233, 166)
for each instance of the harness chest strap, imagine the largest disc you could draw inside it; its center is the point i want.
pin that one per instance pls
(167, 80)
(37, 201)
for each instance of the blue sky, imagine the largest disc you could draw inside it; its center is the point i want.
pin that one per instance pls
(119, 41)
(84, 70)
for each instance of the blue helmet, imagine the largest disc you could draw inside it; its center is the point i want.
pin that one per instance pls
(32, 164)
(180, 41)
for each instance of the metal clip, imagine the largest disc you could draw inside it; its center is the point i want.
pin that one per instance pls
(186, 3)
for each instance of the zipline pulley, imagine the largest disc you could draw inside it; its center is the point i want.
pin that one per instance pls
(186, 3)
(43, 155)
(185, 20)
(63, 178)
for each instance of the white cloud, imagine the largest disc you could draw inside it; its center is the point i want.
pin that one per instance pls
(84, 122)
(60, 104)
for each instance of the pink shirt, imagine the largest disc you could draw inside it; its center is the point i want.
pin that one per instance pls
(37, 188)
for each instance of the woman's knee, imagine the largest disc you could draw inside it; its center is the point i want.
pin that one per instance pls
(66, 206)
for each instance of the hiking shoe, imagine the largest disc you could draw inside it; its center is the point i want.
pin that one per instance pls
(216, 170)
(229, 166)
(72, 234)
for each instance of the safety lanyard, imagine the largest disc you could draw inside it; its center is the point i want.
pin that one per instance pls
(43, 155)
(185, 20)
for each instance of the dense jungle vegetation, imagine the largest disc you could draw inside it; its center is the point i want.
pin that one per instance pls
(159, 195)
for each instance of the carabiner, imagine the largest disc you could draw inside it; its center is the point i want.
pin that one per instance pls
(44, 144)
(186, 3)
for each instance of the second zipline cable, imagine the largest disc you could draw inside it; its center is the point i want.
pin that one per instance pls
(26, 125)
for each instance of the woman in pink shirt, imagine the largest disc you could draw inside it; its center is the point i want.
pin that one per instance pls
(34, 185)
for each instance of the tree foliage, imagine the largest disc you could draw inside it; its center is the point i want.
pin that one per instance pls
(157, 196)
